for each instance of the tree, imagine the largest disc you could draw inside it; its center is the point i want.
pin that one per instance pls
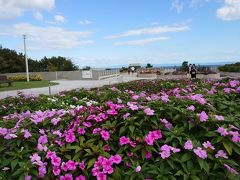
(230, 67)
(185, 65)
(149, 65)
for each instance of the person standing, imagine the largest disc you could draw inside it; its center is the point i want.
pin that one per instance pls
(193, 71)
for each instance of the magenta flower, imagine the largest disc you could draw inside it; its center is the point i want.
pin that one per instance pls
(208, 144)
(148, 155)
(222, 154)
(203, 116)
(70, 137)
(101, 176)
(188, 145)
(124, 140)
(138, 169)
(200, 153)
(87, 124)
(82, 165)
(71, 165)
(149, 112)
(96, 130)
(56, 161)
(81, 177)
(81, 131)
(56, 171)
(112, 112)
(66, 177)
(51, 154)
(54, 121)
(117, 159)
(152, 136)
(105, 135)
(42, 171)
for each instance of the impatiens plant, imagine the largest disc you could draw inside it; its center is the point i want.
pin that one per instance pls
(148, 129)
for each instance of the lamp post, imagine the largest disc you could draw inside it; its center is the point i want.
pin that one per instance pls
(26, 60)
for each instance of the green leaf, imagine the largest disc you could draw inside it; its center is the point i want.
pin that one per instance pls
(186, 157)
(228, 146)
(14, 163)
(131, 128)
(91, 162)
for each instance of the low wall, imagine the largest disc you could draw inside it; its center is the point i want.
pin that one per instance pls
(185, 76)
(230, 74)
(71, 75)
(147, 75)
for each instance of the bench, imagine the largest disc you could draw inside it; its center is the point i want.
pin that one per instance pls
(3, 79)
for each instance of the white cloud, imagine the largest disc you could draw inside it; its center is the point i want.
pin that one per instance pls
(177, 5)
(59, 19)
(140, 42)
(85, 22)
(38, 16)
(150, 31)
(230, 11)
(47, 37)
(15, 8)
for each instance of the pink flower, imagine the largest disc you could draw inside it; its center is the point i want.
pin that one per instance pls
(35, 158)
(66, 177)
(96, 130)
(64, 166)
(152, 136)
(203, 116)
(56, 171)
(42, 171)
(81, 177)
(200, 153)
(117, 159)
(105, 135)
(56, 161)
(135, 97)
(124, 140)
(54, 121)
(222, 154)
(70, 137)
(148, 155)
(149, 112)
(219, 118)
(3, 131)
(81, 131)
(165, 154)
(51, 154)
(138, 169)
(233, 171)
(222, 131)
(27, 177)
(41, 147)
(112, 112)
(165, 98)
(125, 116)
(101, 176)
(87, 124)
(26, 133)
(188, 145)
(82, 165)
(208, 144)
(167, 124)
(191, 108)
(71, 165)
(42, 139)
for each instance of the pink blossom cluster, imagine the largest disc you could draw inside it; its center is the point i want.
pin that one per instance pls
(188, 145)
(126, 140)
(199, 98)
(167, 150)
(149, 111)
(224, 132)
(36, 159)
(200, 152)
(153, 136)
(103, 166)
(167, 124)
(202, 116)
(132, 106)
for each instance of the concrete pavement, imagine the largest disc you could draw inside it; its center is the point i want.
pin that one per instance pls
(73, 84)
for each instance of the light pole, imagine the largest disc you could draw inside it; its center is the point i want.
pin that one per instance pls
(26, 60)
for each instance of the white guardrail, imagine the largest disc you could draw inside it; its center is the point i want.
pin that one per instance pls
(108, 73)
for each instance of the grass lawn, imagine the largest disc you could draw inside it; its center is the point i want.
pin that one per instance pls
(25, 85)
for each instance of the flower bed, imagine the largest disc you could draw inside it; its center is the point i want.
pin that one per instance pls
(174, 129)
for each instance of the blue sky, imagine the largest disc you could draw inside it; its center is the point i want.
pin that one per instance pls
(102, 33)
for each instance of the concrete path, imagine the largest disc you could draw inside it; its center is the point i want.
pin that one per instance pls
(73, 84)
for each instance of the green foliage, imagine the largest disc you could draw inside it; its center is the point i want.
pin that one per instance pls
(21, 77)
(149, 65)
(230, 67)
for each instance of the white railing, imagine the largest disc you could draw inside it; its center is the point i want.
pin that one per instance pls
(108, 73)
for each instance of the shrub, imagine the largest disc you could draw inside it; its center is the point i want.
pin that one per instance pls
(175, 129)
(22, 77)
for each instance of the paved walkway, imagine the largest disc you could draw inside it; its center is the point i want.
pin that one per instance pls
(72, 84)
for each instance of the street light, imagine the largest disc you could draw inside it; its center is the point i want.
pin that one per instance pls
(26, 60)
